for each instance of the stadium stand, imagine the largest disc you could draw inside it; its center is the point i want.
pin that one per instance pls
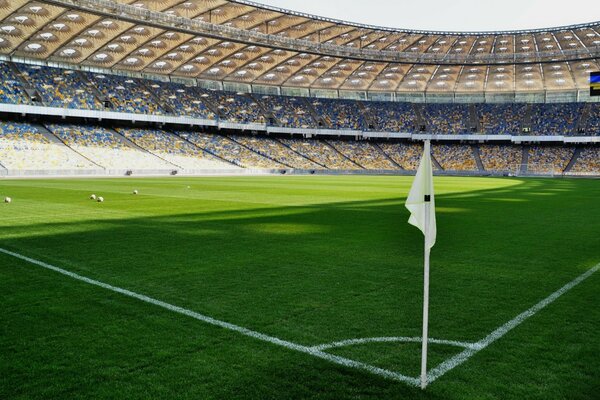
(549, 159)
(60, 87)
(501, 157)
(454, 157)
(107, 148)
(364, 153)
(289, 112)
(588, 161)
(126, 94)
(391, 116)
(183, 99)
(406, 155)
(321, 152)
(340, 114)
(447, 118)
(11, 90)
(275, 150)
(555, 119)
(501, 119)
(174, 149)
(26, 147)
(230, 150)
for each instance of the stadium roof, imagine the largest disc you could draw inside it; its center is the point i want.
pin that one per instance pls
(246, 42)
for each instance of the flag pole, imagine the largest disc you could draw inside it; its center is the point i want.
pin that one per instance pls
(425, 296)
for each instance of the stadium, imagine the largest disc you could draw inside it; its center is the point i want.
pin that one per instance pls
(206, 199)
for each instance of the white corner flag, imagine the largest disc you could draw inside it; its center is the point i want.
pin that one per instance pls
(421, 204)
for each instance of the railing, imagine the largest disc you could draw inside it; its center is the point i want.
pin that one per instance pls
(149, 17)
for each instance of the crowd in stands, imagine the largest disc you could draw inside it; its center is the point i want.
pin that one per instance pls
(447, 118)
(11, 90)
(549, 159)
(106, 148)
(501, 119)
(455, 157)
(501, 157)
(60, 87)
(25, 147)
(173, 149)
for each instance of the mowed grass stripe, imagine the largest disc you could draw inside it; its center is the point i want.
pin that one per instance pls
(327, 263)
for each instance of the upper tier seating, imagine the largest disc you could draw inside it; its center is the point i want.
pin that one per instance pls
(340, 114)
(291, 112)
(391, 117)
(501, 119)
(60, 87)
(592, 127)
(126, 94)
(84, 90)
(11, 89)
(555, 119)
(447, 118)
(234, 107)
(183, 99)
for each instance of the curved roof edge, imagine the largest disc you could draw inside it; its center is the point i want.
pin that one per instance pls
(418, 31)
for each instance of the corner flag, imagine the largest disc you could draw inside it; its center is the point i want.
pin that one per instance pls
(420, 194)
(421, 204)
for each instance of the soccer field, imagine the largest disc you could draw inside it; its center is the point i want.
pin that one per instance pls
(297, 287)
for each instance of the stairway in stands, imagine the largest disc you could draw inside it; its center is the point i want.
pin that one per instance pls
(525, 159)
(320, 120)
(58, 141)
(573, 159)
(477, 156)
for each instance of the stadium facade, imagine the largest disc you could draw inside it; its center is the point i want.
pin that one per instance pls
(198, 86)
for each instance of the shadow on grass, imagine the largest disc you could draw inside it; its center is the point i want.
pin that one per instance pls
(326, 272)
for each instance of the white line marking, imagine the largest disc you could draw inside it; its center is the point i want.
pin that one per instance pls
(401, 339)
(460, 358)
(316, 351)
(226, 325)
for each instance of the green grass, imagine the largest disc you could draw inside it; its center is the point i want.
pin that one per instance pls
(307, 259)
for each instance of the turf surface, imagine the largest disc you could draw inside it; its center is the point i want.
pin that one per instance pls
(310, 260)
